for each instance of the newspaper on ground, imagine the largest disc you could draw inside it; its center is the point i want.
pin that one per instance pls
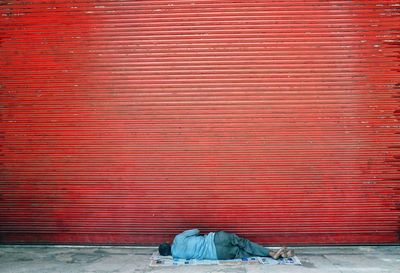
(158, 260)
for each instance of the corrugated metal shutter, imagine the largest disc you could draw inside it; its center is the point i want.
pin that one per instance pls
(126, 122)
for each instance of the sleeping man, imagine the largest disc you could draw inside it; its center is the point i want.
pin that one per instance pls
(219, 245)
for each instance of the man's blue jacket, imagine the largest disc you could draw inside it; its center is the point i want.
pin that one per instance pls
(189, 245)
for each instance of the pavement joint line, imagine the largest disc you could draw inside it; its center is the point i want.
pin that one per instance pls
(141, 246)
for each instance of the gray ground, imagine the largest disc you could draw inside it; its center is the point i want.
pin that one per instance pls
(17, 259)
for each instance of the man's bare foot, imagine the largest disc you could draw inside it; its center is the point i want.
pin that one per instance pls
(276, 255)
(288, 253)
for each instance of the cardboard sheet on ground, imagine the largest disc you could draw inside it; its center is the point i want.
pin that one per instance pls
(158, 260)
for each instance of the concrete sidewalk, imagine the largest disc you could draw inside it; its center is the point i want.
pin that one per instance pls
(67, 259)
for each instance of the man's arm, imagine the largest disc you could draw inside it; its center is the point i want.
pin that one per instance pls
(190, 232)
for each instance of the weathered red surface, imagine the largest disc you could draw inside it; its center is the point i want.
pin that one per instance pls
(126, 122)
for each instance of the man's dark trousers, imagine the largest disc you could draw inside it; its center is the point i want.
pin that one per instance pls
(231, 246)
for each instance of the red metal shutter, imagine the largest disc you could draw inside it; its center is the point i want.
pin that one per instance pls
(126, 122)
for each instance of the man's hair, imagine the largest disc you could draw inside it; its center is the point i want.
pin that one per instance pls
(164, 249)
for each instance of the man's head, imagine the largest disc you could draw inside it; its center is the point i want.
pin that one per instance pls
(164, 249)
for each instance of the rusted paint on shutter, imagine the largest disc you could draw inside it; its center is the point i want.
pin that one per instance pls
(126, 122)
